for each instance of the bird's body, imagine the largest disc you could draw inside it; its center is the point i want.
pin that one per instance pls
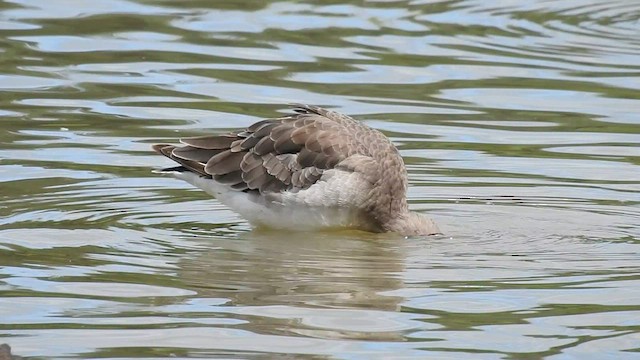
(311, 170)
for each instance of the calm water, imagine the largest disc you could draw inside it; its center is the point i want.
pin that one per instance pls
(519, 121)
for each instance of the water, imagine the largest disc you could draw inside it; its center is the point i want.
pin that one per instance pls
(519, 122)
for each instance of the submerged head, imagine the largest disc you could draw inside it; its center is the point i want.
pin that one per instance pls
(413, 224)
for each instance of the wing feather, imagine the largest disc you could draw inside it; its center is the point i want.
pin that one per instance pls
(272, 155)
(224, 163)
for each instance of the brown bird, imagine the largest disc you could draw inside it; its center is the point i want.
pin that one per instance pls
(5, 353)
(311, 170)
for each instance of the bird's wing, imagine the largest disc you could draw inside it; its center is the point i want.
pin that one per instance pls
(286, 153)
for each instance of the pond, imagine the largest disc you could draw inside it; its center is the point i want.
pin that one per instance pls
(519, 122)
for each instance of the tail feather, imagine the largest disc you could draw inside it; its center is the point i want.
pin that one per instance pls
(163, 149)
(186, 164)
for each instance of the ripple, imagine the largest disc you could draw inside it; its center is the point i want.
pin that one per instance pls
(619, 151)
(517, 120)
(68, 9)
(614, 110)
(16, 82)
(77, 44)
(111, 290)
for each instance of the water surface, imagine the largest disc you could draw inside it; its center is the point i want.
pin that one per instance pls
(518, 120)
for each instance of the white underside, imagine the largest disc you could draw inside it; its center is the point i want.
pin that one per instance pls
(335, 201)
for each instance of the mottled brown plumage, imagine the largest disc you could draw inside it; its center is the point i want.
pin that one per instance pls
(293, 152)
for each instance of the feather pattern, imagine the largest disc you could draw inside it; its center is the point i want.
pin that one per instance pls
(275, 158)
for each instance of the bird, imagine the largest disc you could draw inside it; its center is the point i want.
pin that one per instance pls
(5, 353)
(313, 169)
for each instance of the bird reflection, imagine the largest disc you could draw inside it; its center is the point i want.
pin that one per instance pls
(343, 269)
(272, 279)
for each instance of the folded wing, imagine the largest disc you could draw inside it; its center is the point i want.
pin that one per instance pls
(273, 155)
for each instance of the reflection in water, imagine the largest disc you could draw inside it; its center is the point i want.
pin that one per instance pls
(266, 275)
(518, 121)
(328, 270)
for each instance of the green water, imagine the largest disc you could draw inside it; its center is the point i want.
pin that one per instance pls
(519, 122)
